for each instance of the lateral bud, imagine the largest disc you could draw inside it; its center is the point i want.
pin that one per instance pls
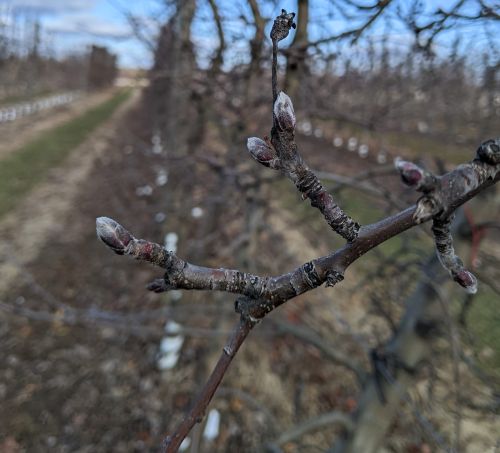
(466, 279)
(116, 237)
(489, 151)
(284, 113)
(414, 176)
(262, 152)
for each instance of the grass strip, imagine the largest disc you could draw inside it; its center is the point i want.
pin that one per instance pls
(26, 166)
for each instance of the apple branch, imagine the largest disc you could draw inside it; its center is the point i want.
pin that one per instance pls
(259, 295)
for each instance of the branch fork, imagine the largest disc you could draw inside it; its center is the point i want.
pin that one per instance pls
(260, 295)
(436, 202)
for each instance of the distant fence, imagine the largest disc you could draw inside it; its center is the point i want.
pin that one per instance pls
(14, 112)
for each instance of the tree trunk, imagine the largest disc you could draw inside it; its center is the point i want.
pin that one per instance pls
(172, 72)
(253, 74)
(296, 67)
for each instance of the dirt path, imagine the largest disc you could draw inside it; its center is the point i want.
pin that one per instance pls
(26, 228)
(15, 134)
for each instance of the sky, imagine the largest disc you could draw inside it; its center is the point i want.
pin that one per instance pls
(75, 24)
(71, 25)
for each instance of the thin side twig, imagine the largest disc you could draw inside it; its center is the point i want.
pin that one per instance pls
(195, 415)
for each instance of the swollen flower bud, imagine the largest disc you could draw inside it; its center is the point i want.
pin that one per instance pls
(113, 234)
(467, 280)
(284, 113)
(411, 174)
(414, 176)
(262, 152)
(282, 25)
(489, 151)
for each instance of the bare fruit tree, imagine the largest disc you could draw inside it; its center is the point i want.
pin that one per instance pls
(259, 295)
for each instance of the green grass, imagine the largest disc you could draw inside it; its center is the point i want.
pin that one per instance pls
(26, 166)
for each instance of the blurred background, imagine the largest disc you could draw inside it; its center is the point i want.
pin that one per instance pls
(140, 112)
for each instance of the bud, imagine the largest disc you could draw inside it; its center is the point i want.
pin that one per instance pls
(411, 174)
(489, 151)
(262, 152)
(282, 25)
(283, 111)
(113, 234)
(467, 280)
(414, 176)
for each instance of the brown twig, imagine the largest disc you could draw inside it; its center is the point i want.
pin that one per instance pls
(195, 415)
(281, 27)
(265, 293)
(281, 153)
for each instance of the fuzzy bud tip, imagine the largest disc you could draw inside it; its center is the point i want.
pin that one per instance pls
(467, 280)
(261, 152)
(116, 237)
(284, 113)
(411, 174)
